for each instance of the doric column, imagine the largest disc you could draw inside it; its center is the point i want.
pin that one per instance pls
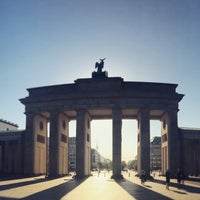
(117, 126)
(184, 155)
(53, 145)
(58, 146)
(29, 151)
(170, 142)
(164, 147)
(83, 144)
(173, 142)
(6, 158)
(63, 144)
(20, 157)
(144, 142)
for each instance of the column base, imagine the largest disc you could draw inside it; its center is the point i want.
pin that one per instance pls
(52, 176)
(78, 177)
(117, 177)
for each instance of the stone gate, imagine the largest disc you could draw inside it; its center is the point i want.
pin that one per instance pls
(99, 97)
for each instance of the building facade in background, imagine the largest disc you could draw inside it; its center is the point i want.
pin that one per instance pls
(7, 126)
(95, 155)
(11, 148)
(190, 151)
(155, 153)
(72, 153)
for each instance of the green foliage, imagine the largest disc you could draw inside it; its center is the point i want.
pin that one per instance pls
(123, 164)
(94, 166)
(102, 165)
(132, 164)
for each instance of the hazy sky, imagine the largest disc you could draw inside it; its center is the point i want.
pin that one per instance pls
(48, 42)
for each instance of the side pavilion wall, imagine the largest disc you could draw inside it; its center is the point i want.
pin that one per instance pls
(99, 98)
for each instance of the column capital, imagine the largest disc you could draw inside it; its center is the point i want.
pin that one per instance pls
(143, 111)
(117, 112)
(54, 111)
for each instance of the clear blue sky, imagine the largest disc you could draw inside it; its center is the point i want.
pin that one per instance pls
(57, 41)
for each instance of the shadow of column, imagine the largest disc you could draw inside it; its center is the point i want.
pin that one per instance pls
(53, 193)
(139, 192)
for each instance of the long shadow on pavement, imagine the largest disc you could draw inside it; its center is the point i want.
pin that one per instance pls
(187, 188)
(53, 193)
(23, 183)
(139, 192)
(56, 192)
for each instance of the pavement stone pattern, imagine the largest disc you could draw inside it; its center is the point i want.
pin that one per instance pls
(96, 187)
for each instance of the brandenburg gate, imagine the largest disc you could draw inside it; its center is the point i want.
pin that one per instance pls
(99, 97)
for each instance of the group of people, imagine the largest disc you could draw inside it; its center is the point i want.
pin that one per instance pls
(179, 175)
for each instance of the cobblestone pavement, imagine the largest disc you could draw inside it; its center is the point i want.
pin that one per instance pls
(96, 188)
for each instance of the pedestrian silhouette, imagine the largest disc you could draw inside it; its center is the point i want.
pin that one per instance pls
(167, 175)
(182, 177)
(178, 176)
(143, 177)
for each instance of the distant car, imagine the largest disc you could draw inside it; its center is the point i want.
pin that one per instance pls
(95, 169)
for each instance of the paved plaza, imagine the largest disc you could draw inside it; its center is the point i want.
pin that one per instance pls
(96, 187)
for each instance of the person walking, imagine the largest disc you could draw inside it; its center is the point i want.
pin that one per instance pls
(143, 177)
(182, 177)
(178, 176)
(167, 175)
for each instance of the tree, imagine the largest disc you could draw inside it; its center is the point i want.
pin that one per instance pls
(123, 164)
(132, 164)
(94, 166)
(102, 165)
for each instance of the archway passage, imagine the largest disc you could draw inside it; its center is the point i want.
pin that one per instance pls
(100, 98)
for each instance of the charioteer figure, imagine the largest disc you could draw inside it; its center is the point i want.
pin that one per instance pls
(100, 65)
(99, 73)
